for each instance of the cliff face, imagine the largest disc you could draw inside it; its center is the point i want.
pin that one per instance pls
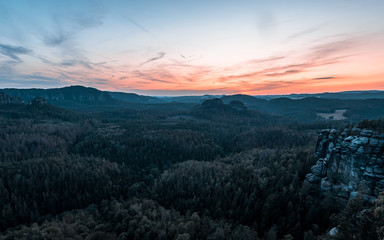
(349, 162)
(6, 99)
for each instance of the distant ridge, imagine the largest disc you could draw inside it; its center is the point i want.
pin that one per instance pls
(191, 99)
(355, 105)
(88, 95)
(78, 96)
(134, 98)
(246, 99)
(347, 95)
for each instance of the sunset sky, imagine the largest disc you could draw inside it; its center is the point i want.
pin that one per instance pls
(195, 47)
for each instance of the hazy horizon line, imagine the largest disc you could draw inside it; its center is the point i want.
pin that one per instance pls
(194, 95)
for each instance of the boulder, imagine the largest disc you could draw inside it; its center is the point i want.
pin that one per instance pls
(378, 170)
(374, 142)
(360, 150)
(349, 138)
(316, 170)
(366, 133)
(379, 187)
(325, 185)
(364, 140)
(312, 178)
(333, 231)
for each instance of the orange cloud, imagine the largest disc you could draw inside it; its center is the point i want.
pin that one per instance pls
(339, 65)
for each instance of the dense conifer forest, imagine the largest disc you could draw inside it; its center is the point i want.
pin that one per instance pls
(211, 171)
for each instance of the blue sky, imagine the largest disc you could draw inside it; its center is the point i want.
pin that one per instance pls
(193, 47)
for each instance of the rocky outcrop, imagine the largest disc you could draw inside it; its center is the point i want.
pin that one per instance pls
(38, 101)
(6, 99)
(350, 162)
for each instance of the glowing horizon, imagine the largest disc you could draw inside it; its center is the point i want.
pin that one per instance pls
(170, 47)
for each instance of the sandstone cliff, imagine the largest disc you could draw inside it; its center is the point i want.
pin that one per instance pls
(6, 99)
(349, 162)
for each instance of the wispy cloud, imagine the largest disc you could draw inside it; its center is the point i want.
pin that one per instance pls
(282, 72)
(159, 55)
(158, 80)
(13, 51)
(56, 36)
(332, 49)
(56, 39)
(7, 67)
(21, 80)
(274, 85)
(141, 27)
(269, 72)
(100, 81)
(265, 60)
(323, 78)
(67, 26)
(153, 76)
(91, 19)
(303, 33)
(288, 72)
(74, 62)
(317, 56)
(63, 36)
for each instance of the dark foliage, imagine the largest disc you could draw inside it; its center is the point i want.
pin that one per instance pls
(215, 171)
(262, 188)
(34, 188)
(134, 219)
(359, 220)
(377, 125)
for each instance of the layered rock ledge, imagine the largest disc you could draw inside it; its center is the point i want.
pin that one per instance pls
(350, 162)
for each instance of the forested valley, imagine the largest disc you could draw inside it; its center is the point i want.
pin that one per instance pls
(210, 171)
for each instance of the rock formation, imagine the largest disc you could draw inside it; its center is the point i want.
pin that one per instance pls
(6, 99)
(349, 162)
(38, 101)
